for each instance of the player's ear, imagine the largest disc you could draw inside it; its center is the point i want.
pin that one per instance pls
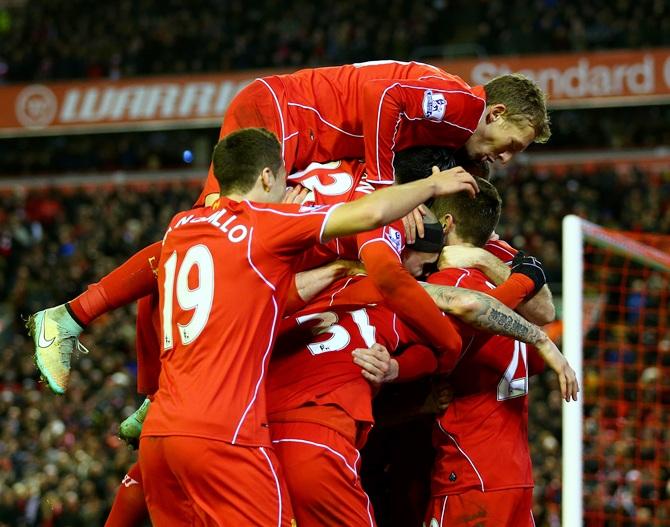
(267, 179)
(495, 112)
(447, 222)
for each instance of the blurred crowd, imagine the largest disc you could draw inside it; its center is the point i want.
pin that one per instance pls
(606, 128)
(63, 39)
(626, 418)
(60, 458)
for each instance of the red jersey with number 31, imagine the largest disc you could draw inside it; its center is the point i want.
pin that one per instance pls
(312, 358)
(482, 438)
(223, 279)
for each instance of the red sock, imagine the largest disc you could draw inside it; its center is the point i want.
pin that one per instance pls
(129, 508)
(129, 282)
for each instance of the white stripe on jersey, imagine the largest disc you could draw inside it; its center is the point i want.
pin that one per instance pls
(274, 475)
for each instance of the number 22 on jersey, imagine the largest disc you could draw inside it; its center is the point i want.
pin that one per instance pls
(197, 299)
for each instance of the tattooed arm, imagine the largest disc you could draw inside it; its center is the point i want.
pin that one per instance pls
(487, 314)
(484, 313)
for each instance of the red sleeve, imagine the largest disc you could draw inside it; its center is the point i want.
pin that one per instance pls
(405, 297)
(415, 362)
(392, 235)
(445, 100)
(294, 301)
(148, 344)
(513, 291)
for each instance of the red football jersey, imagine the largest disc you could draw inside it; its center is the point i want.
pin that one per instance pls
(482, 438)
(223, 280)
(372, 109)
(503, 250)
(312, 357)
(358, 111)
(338, 182)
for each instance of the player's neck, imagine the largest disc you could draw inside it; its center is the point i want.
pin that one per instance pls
(234, 196)
(453, 239)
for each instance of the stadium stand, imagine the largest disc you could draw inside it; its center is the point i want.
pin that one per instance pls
(66, 40)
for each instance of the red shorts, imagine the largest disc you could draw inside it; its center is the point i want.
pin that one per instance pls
(133, 476)
(321, 470)
(196, 481)
(501, 508)
(129, 508)
(261, 104)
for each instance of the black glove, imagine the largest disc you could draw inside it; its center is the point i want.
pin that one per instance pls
(531, 267)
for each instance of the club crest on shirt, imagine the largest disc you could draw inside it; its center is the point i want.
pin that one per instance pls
(434, 105)
(394, 236)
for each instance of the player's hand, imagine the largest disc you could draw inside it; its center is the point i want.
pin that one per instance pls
(567, 378)
(453, 181)
(413, 223)
(377, 364)
(494, 236)
(530, 267)
(454, 256)
(295, 194)
(440, 396)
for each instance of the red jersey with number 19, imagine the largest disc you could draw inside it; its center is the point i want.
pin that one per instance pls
(223, 279)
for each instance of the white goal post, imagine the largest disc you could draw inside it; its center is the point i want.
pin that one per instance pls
(577, 232)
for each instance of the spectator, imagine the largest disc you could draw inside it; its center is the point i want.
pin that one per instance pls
(59, 39)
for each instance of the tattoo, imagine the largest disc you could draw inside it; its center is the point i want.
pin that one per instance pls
(446, 297)
(484, 312)
(507, 322)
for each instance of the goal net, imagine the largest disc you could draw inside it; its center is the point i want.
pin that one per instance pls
(616, 334)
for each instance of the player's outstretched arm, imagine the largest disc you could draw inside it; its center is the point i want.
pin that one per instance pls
(389, 204)
(487, 314)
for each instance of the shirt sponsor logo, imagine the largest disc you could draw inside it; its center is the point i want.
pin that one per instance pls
(434, 105)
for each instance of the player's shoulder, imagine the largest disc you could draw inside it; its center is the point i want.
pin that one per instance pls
(501, 249)
(285, 209)
(466, 278)
(187, 216)
(451, 276)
